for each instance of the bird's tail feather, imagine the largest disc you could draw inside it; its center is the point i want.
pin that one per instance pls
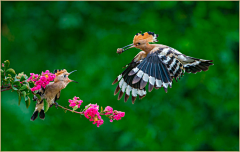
(34, 116)
(197, 65)
(38, 109)
(42, 114)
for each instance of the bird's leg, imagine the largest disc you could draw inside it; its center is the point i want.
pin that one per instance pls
(56, 104)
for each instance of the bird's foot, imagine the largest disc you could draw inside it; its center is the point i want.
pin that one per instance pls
(56, 104)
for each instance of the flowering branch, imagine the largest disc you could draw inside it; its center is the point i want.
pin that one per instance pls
(68, 109)
(25, 86)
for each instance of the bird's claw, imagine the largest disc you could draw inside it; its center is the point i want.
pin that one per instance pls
(56, 104)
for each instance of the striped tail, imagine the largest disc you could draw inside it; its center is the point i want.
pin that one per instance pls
(197, 65)
(38, 109)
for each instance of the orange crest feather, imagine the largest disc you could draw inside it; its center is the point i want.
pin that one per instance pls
(148, 36)
(59, 72)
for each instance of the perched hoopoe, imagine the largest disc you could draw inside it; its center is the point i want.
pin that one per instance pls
(157, 64)
(51, 93)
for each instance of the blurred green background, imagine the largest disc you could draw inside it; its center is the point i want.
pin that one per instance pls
(200, 112)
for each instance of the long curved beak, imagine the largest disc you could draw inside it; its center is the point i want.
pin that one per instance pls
(72, 80)
(72, 72)
(128, 47)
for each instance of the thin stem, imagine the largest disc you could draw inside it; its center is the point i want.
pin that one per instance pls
(82, 113)
(5, 89)
(69, 109)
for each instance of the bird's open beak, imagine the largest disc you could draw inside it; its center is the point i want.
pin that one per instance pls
(72, 72)
(72, 80)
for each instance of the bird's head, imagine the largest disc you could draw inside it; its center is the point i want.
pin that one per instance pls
(140, 41)
(62, 75)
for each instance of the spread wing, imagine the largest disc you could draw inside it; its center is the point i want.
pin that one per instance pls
(156, 68)
(191, 65)
(125, 84)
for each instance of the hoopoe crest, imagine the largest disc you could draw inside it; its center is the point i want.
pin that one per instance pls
(51, 93)
(156, 65)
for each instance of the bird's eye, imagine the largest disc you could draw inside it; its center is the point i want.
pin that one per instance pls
(64, 75)
(138, 43)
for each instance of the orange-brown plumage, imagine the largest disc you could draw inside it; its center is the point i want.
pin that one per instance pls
(51, 92)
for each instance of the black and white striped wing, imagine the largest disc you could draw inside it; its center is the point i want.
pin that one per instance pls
(191, 65)
(125, 84)
(156, 68)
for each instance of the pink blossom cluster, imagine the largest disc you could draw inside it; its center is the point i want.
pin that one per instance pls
(92, 114)
(41, 81)
(114, 115)
(75, 102)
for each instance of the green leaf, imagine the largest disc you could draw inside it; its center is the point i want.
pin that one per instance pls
(31, 84)
(2, 73)
(38, 96)
(22, 78)
(6, 64)
(75, 108)
(17, 83)
(11, 71)
(23, 87)
(24, 82)
(46, 106)
(27, 100)
(24, 94)
(14, 88)
(19, 98)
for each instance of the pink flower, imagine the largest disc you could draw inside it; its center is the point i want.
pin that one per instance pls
(33, 77)
(75, 102)
(91, 112)
(98, 121)
(118, 114)
(108, 110)
(43, 81)
(93, 115)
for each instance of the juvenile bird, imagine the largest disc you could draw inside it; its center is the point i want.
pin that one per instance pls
(51, 93)
(157, 64)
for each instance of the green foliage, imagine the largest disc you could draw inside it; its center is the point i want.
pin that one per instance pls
(11, 81)
(46, 105)
(199, 112)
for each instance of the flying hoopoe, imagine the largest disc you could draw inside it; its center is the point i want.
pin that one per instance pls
(51, 93)
(157, 64)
